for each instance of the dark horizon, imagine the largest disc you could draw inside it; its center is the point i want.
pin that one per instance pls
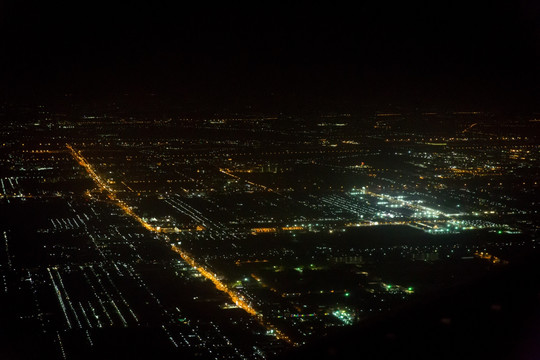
(448, 54)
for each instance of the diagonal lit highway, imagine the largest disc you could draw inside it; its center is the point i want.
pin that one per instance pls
(238, 299)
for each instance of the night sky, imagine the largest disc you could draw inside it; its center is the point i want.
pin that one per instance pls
(429, 53)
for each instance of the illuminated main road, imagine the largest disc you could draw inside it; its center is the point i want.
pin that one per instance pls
(235, 297)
